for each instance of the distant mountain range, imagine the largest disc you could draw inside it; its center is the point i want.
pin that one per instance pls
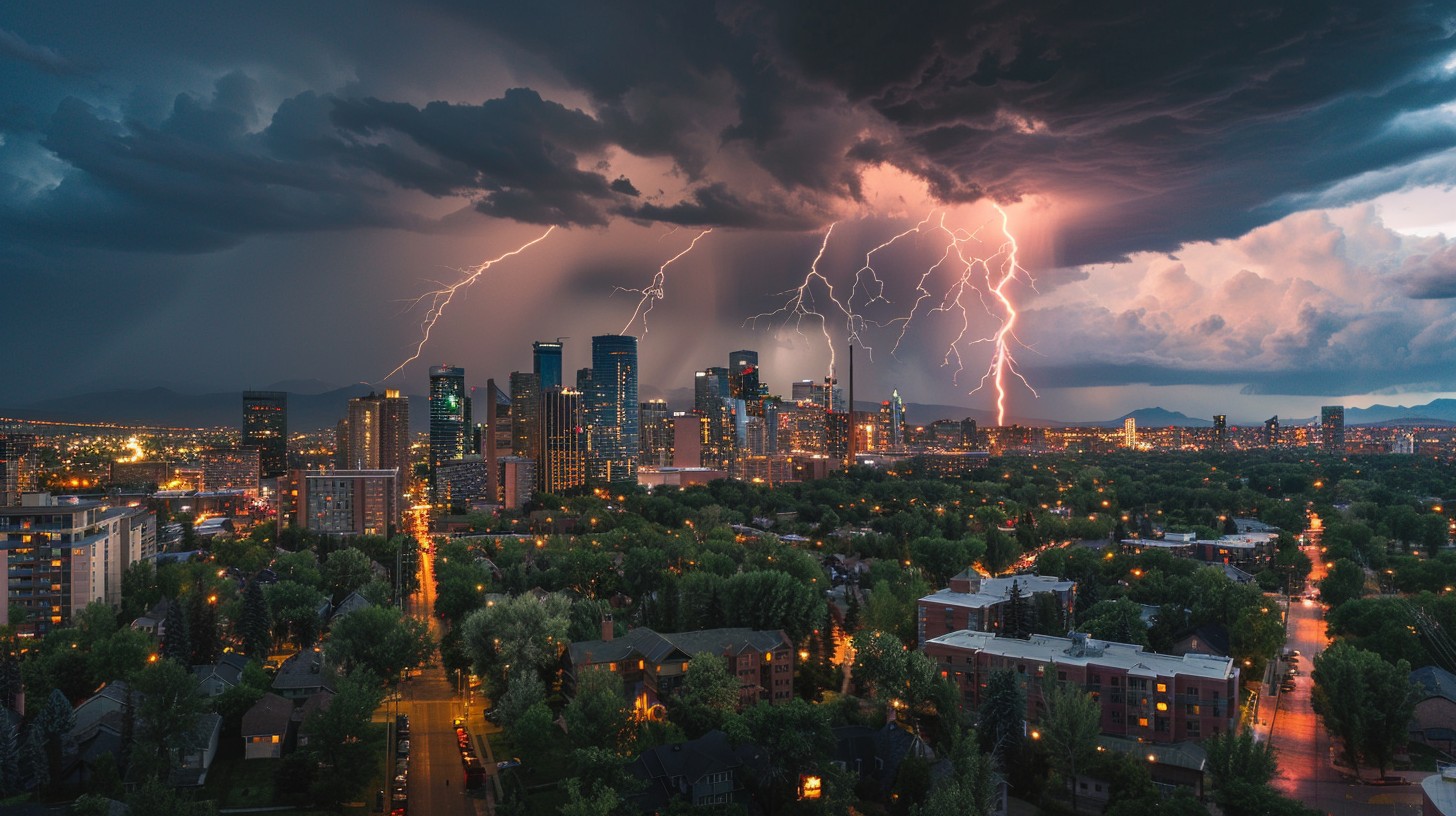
(313, 404)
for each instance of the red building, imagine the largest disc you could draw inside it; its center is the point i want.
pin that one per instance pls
(1144, 696)
(974, 602)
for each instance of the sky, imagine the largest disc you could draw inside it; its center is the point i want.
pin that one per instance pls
(1239, 208)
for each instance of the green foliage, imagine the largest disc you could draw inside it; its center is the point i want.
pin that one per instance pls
(167, 714)
(708, 694)
(255, 629)
(598, 715)
(1069, 729)
(342, 744)
(344, 571)
(1344, 581)
(520, 632)
(378, 639)
(1000, 723)
(294, 609)
(1119, 621)
(524, 691)
(1364, 701)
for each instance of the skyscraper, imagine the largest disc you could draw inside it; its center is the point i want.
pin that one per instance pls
(615, 432)
(1129, 432)
(563, 452)
(449, 415)
(1271, 431)
(265, 427)
(744, 380)
(1220, 432)
(656, 433)
(547, 358)
(375, 436)
(17, 467)
(1332, 428)
(525, 415)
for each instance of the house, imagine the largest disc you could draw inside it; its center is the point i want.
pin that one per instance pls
(876, 753)
(704, 771)
(215, 678)
(194, 761)
(98, 725)
(1434, 720)
(315, 702)
(353, 602)
(653, 665)
(303, 675)
(266, 727)
(154, 620)
(1209, 639)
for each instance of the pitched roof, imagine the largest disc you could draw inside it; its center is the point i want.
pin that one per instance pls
(304, 670)
(270, 715)
(691, 760)
(1435, 681)
(660, 648)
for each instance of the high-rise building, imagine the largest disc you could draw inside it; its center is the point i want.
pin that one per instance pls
(827, 395)
(265, 427)
(1220, 432)
(744, 380)
(518, 480)
(498, 436)
(1332, 428)
(615, 426)
(59, 557)
(563, 448)
(710, 386)
(343, 502)
(688, 429)
(1271, 432)
(893, 413)
(230, 469)
(547, 358)
(525, 415)
(375, 436)
(656, 433)
(449, 415)
(17, 467)
(1129, 432)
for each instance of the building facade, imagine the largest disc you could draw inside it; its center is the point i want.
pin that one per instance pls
(1143, 695)
(1332, 428)
(265, 427)
(546, 358)
(344, 502)
(615, 424)
(449, 416)
(982, 604)
(563, 441)
(653, 665)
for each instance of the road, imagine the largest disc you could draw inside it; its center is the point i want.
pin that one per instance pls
(1303, 744)
(436, 777)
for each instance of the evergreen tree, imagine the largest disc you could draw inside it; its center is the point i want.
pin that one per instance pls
(33, 769)
(202, 624)
(1018, 623)
(11, 781)
(256, 626)
(56, 721)
(176, 640)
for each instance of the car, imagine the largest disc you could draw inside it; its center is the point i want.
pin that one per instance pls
(403, 748)
(506, 764)
(492, 715)
(1286, 686)
(1295, 653)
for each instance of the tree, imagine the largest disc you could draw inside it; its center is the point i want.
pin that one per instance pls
(11, 779)
(521, 633)
(57, 720)
(601, 801)
(1002, 717)
(1119, 621)
(973, 787)
(598, 715)
(167, 714)
(532, 730)
(176, 643)
(341, 742)
(255, 629)
(709, 692)
(795, 736)
(1364, 701)
(1345, 581)
(769, 599)
(294, 608)
(940, 558)
(202, 626)
(379, 639)
(155, 798)
(1238, 762)
(524, 691)
(1069, 729)
(345, 570)
(879, 662)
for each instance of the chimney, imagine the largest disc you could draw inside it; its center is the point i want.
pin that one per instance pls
(608, 628)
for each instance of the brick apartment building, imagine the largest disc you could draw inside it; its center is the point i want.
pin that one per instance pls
(978, 603)
(1144, 696)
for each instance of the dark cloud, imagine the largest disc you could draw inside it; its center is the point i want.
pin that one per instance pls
(12, 45)
(1430, 277)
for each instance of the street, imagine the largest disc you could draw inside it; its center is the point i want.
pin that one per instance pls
(1303, 744)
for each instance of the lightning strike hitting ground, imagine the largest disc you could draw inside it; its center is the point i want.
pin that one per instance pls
(653, 292)
(987, 278)
(440, 298)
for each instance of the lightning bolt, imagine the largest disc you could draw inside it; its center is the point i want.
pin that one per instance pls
(801, 303)
(653, 292)
(440, 298)
(976, 280)
(1002, 363)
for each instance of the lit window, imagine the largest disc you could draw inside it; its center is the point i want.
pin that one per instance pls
(275, 739)
(1162, 706)
(1162, 688)
(1142, 722)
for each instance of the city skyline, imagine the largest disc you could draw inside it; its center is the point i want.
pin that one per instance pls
(1265, 241)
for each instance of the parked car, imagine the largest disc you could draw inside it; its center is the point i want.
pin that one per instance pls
(505, 764)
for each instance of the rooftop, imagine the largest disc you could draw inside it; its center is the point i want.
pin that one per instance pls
(996, 590)
(1127, 656)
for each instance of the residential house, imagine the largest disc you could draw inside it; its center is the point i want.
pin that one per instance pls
(195, 759)
(266, 727)
(653, 665)
(353, 602)
(1434, 720)
(706, 771)
(303, 675)
(315, 702)
(1209, 639)
(215, 678)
